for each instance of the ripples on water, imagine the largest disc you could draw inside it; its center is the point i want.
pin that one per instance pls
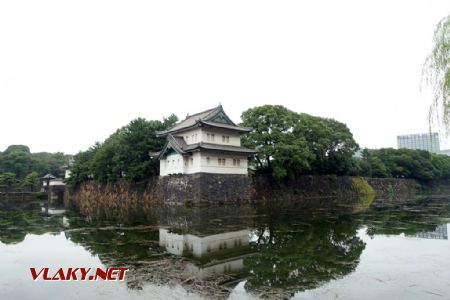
(315, 249)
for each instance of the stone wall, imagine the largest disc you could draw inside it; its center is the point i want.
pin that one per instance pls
(331, 186)
(124, 200)
(392, 188)
(304, 186)
(204, 188)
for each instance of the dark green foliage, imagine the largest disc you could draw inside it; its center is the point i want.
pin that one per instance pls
(32, 181)
(44, 163)
(125, 154)
(81, 170)
(290, 143)
(16, 159)
(27, 167)
(8, 179)
(20, 220)
(304, 257)
(330, 141)
(405, 163)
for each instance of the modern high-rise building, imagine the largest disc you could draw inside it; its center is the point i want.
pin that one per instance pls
(423, 141)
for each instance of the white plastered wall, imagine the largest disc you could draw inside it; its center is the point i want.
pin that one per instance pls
(192, 136)
(234, 139)
(213, 165)
(171, 164)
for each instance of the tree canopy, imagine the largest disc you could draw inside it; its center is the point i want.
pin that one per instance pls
(17, 161)
(124, 154)
(290, 143)
(405, 163)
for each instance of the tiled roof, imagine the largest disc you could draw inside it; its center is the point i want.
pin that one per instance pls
(214, 117)
(227, 126)
(218, 147)
(192, 120)
(181, 147)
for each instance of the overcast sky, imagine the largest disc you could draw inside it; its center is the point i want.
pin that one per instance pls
(72, 72)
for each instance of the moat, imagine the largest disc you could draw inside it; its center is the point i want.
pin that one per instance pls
(322, 249)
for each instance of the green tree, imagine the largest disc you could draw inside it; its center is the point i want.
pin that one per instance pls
(19, 160)
(289, 143)
(8, 179)
(330, 141)
(405, 163)
(81, 170)
(44, 163)
(437, 73)
(16, 159)
(32, 181)
(373, 166)
(279, 151)
(124, 154)
(294, 258)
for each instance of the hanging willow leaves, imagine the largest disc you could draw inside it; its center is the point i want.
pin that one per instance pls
(436, 73)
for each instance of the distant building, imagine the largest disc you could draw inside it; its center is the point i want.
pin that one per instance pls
(52, 181)
(66, 167)
(423, 141)
(445, 152)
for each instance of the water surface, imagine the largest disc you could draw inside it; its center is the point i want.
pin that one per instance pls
(327, 249)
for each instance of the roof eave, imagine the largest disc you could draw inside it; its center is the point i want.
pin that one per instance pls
(200, 146)
(238, 128)
(165, 133)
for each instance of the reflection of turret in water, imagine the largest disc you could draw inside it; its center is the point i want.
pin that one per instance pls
(201, 246)
(202, 221)
(211, 254)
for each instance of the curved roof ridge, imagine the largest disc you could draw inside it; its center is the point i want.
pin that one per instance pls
(193, 120)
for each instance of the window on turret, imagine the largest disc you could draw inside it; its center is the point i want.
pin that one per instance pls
(207, 160)
(221, 161)
(236, 162)
(225, 139)
(192, 161)
(212, 137)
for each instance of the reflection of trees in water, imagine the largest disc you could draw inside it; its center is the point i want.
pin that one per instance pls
(408, 218)
(18, 220)
(299, 245)
(297, 257)
(137, 248)
(305, 251)
(116, 244)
